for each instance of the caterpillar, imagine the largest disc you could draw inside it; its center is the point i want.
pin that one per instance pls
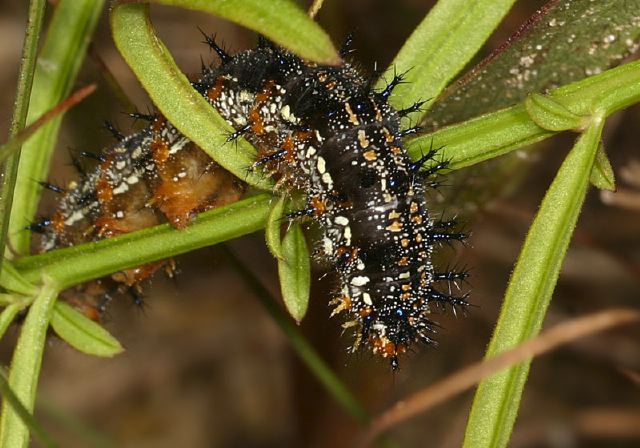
(147, 178)
(319, 129)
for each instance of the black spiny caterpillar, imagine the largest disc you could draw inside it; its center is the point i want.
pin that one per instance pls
(319, 129)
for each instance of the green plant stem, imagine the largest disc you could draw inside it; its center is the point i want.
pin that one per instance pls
(21, 106)
(305, 351)
(12, 281)
(27, 65)
(60, 59)
(78, 264)
(25, 367)
(83, 433)
(529, 292)
(497, 133)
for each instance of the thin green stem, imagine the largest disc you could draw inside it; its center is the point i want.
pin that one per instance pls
(72, 23)
(78, 264)
(20, 109)
(36, 429)
(500, 132)
(303, 349)
(25, 367)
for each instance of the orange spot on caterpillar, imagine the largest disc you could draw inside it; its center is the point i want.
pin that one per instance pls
(133, 276)
(160, 150)
(57, 222)
(289, 146)
(158, 124)
(192, 183)
(265, 94)
(302, 136)
(370, 155)
(104, 191)
(257, 125)
(352, 251)
(214, 92)
(319, 206)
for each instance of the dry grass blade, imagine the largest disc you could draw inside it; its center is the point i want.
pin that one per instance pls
(632, 375)
(608, 426)
(314, 9)
(608, 423)
(12, 145)
(121, 96)
(473, 374)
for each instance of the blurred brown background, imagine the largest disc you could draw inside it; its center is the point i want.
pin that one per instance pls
(205, 366)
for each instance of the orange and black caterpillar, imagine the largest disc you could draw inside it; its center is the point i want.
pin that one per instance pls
(147, 178)
(319, 129)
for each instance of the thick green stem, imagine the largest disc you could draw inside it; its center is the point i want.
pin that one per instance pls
(78, 264)
(506, 130)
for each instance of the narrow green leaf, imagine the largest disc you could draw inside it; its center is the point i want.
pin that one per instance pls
(602, 176)
(444, 42)
(282, 21)
(74, 265)
(60, 59)
(273, 227)
(495, 406)
(550, 114)
(82, 333)
(13, 281)
(25, 367)
(295, 272)
(172, 93)
(8, 315)
(8, 299)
